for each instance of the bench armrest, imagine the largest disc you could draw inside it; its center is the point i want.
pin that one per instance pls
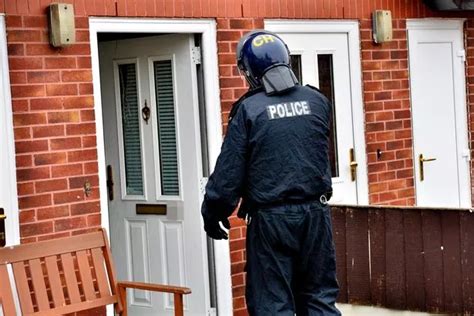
(178, 292)
(154, 287)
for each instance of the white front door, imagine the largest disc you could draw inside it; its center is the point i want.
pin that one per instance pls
(153, 155)
(9, 226)
(441, 151)
(323, 60)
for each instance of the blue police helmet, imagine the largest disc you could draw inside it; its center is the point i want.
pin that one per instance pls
(259, 51)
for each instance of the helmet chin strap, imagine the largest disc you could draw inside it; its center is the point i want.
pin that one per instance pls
(278, 79)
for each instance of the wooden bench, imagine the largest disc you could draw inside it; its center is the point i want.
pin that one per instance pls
(68, 275)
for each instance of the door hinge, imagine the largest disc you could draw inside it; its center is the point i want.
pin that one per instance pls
(462, 55)
(196, 55)
(466, 154)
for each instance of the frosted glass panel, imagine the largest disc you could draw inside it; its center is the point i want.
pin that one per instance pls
(166, 127)
(131, 129)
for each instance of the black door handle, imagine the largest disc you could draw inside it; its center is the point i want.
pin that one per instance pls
(110, 183)
(3, 217)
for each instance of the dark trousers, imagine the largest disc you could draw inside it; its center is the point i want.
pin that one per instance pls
(291, 266)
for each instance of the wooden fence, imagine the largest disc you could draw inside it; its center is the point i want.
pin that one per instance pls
(405, 258)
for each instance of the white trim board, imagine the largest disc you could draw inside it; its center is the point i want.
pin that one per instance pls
(12, 225)
(207, 28)
(351, 28)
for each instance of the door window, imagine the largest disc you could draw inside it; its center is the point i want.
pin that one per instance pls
(295, 61)
(326, 85)
(130, 128)
(166, 116)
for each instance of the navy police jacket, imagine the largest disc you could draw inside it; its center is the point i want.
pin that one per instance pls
(275, 151)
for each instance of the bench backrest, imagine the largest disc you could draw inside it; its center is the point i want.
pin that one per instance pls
(59, 276)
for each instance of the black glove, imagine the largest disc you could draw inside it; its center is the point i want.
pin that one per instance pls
(214, 230)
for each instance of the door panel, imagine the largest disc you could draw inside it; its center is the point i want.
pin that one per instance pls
(322, 60)
(153, 142)
(439, 119)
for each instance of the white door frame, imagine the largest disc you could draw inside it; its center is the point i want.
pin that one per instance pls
(460, 105)
(213, 115)
(351, 28)
(12, 225)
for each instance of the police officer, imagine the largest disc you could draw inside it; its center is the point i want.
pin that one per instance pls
(274, 160)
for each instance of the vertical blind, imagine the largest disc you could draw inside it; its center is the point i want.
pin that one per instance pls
(131, 129)
(165, 110)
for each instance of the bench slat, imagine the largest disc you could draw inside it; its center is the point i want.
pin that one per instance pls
(55, 281)
(39, 285)
(71, 279)
(51, 247)
(85, 273)
(99, 267)
(6, 295)
(78, 307)
(22, 287)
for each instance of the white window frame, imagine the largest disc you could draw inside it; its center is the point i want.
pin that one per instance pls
(351, 28)
(207, 28)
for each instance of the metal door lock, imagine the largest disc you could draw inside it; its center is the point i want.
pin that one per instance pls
(353, 164)
(2, 216)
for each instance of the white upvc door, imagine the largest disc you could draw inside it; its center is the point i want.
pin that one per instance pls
(9, 227)
(154, 168)
(324, 59)
(438, 100)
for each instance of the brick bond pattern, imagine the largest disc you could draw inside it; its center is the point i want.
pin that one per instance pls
(55, 136)
(388, 117)
(54, 120)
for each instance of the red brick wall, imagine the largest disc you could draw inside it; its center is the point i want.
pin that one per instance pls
(55, 136)
(54, 119)
(388, 117)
